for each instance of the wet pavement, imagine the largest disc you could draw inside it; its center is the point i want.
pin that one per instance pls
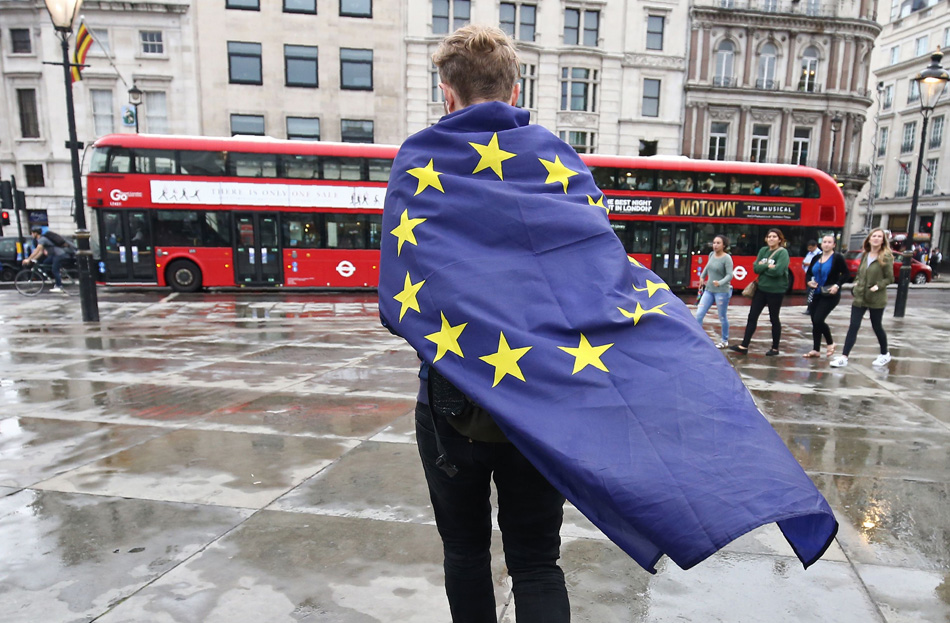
(249, 457)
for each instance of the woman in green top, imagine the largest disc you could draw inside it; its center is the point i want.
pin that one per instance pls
(870, 295)
(771, 265)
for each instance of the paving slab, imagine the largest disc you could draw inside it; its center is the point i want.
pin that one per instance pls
(908, 595)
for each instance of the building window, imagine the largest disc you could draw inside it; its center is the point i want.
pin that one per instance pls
(100, 42)
(582, 142)
(152, 42)
(770, 6)
(528, 83)
(903, 180)
(718, 131)
(252, 125)
(921, 45)
(300, 6)
(356, 131)
(156, 112)
(300, 65)
(936, 133)
(578, 89)
(244, 5)
(356, 8)
(725, 59)
(760, 143)
(436, 95)
(29, 120)
(931, 182)
(809, 78)
(651, 97)
(812, 7)
(20, 42)
(573, 33)
(910, 133)
(913, 91)
(524, 16)
(303, 128)
(878, 173)
(102, 111)
(801, 142)
(882, 142)
(445, 12)
(244, 63)
(655, 32)
(767, 61)
(888, 97)
(34, 175)
(895, 54)
(356, 69)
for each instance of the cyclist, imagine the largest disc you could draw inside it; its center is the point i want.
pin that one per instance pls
(55, 256)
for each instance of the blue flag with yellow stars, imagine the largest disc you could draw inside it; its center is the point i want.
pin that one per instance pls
(500, 268)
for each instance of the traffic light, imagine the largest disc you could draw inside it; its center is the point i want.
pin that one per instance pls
(926, 226)
(6, 204)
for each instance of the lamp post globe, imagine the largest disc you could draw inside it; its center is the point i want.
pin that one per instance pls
(931, 83)
(63, 13)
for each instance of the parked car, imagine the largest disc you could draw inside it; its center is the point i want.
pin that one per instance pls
(919, 272)
(8, 262)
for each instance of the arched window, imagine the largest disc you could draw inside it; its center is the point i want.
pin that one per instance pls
(725, 59)
(809, 78)
(767, 63)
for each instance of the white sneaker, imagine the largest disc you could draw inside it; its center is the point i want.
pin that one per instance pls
(722, 344)
(882, 360)
(839, 362)
(57, 289)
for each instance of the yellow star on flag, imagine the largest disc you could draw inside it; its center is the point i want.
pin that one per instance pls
(447, 339)
(652, 287)
(491, 156)
(640, 312)
(557, 172)
(587, 355)
(404, 230)
(505, 361)
(599, 202)
(634, 262)
(427, 176)
(408, 296)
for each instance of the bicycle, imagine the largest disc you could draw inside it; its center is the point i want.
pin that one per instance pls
(33, 279)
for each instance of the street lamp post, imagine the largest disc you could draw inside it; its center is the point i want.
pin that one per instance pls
(931, 83)
(835, 128)
(63, 13)
(135, 98)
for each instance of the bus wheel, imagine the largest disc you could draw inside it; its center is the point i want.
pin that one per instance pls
(183, 276)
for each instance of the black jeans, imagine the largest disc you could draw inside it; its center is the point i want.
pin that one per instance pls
(857, 315)
(530, 512)
(821, 306)
(759, 302)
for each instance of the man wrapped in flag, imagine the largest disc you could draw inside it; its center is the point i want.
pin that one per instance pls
(500, 268)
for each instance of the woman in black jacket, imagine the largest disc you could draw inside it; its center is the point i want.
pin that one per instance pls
(826, 274)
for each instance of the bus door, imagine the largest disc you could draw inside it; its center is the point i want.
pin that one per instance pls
(671, 256)
(126, 246)
(257, 252)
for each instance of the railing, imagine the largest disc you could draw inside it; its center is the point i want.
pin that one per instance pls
(807, 8)
(766, 84)
(810, 87)
(907, 147)
(724, 81)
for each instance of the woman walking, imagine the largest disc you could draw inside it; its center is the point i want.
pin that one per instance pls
(825, 275)
(771, 265)
(870, 295)
(715, 279)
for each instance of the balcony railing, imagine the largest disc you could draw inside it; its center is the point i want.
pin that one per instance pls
(788, 7)
(724, 81)
(907, 147)
(766, 84)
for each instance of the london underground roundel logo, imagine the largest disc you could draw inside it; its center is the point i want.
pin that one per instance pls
(345, 268)
(739, 272)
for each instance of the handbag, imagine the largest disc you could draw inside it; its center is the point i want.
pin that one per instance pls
(749, 290)
(826, 289)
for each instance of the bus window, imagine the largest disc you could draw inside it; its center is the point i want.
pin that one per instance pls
(157, 161)
(177, 228)
(341, 168)
(217, 229)
(100, 160)
(299, 167)
(375, 222)
(346, 231)
(111, 160)
(252, 165)
(712, 183)
(604, 177)
(379, 169)
(703, 234)
(634, 179)
(744, 239)
(636, 236)
(303, 231)
(811, 189)
(202, 163)
(677, 181)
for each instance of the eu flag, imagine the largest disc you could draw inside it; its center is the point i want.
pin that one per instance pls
(500, 268)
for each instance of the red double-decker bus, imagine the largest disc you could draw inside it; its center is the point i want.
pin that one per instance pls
(193, 212)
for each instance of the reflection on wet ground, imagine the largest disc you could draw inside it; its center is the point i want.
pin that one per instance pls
(248, 457)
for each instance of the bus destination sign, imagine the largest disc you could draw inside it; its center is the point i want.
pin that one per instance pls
(705, 208)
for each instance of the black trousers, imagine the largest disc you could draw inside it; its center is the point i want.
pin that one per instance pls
(857, 315)
(821, 306)
(760, 301)
(530, 512)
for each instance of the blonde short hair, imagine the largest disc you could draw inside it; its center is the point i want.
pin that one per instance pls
(479, 63)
